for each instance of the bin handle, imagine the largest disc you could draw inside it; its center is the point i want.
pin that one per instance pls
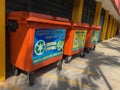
(12, 25)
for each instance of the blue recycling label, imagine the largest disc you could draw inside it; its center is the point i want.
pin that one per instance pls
(48, 43)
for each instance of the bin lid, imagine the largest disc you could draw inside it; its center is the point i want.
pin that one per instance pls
(62, 19)
(80, 25)
(96, 27)
(37, 17)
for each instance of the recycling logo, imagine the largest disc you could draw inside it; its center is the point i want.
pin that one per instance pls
(39, 47)
(60, 45)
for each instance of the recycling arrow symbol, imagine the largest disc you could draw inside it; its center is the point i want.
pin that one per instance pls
(39, 47)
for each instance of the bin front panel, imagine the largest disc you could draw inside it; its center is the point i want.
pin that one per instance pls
(79, 39)
(48, 43)
(95, 37)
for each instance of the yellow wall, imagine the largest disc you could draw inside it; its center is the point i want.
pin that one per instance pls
(2, 40)
(109, 27)
(118, 27)
(77, 10)
(113, 27)
(97, 13)
(105, 26)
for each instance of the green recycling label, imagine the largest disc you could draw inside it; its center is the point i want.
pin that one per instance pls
(79, 39)
(95, 36)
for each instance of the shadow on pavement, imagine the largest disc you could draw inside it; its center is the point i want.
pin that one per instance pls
(94, 66)
(112, 45)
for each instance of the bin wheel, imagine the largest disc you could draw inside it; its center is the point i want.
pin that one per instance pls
(82, 54)
(93, 48)
(68, 59)
(31, 81)
(59, 65)
(16, 71)
(87, 50)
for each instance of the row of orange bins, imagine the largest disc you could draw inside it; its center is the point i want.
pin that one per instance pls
(37, 40)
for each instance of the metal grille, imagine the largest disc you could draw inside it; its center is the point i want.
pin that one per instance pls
(88, 11)
(103, 12)
(61, 8)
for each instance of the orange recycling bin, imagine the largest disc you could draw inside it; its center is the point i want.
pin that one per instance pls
(75, 40)
(36, 40)
(92, 38)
